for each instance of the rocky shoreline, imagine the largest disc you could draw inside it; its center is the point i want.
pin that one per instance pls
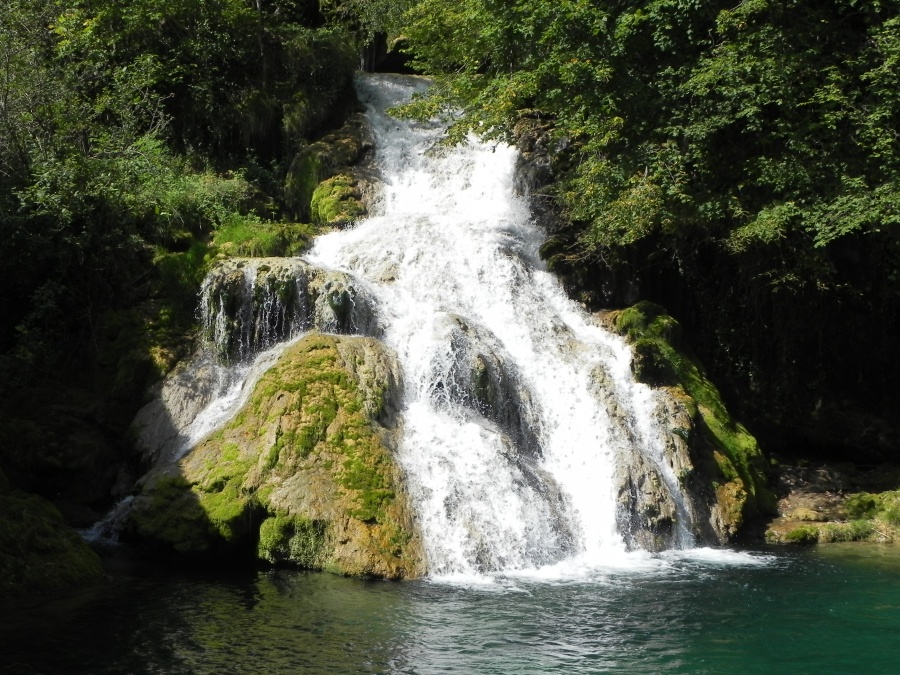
(835, 502)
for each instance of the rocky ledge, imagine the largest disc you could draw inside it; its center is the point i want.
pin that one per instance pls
(833, 503)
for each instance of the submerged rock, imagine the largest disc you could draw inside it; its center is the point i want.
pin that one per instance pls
(303, 474)
(716, 460)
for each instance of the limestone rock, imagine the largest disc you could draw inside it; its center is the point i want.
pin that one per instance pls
(251, 303)
(334, 153)
(717, 461)
(476, 372)
(302, 474)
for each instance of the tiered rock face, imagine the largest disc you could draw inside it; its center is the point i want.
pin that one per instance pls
(302, 474)
(717, 462)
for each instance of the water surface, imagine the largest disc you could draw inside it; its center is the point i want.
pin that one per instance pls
(834, 609)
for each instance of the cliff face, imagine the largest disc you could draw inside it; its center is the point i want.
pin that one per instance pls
(303, 474)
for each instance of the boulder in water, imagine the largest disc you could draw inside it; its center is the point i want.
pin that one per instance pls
(717, 461)
(303, 474)
(38, 551)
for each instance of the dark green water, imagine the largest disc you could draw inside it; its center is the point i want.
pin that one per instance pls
(834, 609)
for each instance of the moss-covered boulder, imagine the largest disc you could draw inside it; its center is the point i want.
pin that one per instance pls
(329, 156)
(728, 470)
(38, 551)
(337, 201)
(303, 474)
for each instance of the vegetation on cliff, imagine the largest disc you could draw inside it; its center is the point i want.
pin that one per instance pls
(138, 142)
(723, 451)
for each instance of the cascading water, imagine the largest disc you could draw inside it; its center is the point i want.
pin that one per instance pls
(510, 455)
(526, 442)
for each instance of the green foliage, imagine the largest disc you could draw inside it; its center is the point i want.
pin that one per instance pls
(854, 530)
(685, 115)
(883, 506)
(739, 160)
(861, 505)
(127, 136)
(805, 534)
(257, 238)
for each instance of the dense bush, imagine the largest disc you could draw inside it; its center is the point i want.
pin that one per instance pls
(130, 134)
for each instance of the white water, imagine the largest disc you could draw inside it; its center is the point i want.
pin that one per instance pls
(450, 238)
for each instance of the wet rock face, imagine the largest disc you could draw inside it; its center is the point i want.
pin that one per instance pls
(647, 507)
(249, 304)
(716, 461)
(159, 427)
(305, 469)
(475, 372)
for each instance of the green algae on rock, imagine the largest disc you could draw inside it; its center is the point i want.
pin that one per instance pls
(337, 201)
(731, 469)
(38, 551)
(302, 474)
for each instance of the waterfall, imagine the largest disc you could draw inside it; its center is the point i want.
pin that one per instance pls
(520, 410)
(526, 443)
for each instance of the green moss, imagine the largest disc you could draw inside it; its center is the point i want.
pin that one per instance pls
(297, 540)
(305, 414)
(660, 359)
(336, 201)
(316, 163)
(38, 551)
(805, 534)
(253, 237)
(173, 519)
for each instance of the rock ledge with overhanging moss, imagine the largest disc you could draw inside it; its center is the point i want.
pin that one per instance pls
(302, 475)
(724, 469)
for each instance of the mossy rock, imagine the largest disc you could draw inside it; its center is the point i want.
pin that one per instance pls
(331, 155)
(725, 453)
(38, 551)
(337, 201)
(302, 474)
(263, 239)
